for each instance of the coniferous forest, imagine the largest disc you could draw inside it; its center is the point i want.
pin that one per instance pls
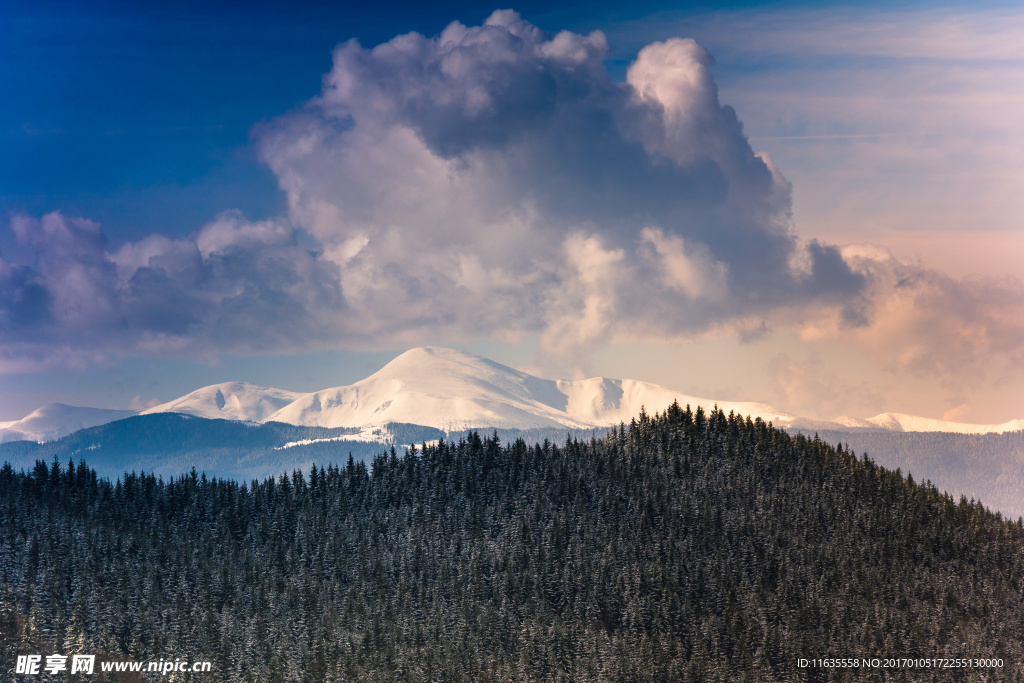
(686, 546)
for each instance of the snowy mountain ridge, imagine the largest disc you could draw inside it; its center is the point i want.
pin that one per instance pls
(229, 401)
(901, 422)
(453, 390)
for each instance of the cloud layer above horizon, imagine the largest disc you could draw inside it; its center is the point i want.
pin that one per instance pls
(494, 182)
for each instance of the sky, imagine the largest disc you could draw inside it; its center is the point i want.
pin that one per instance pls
(815, 206)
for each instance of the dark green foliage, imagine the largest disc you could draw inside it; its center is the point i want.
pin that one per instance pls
(690, 546)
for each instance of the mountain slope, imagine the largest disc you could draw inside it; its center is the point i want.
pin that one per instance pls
(56, 420)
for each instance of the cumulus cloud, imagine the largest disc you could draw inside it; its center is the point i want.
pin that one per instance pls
(490, 182)
(71, 267)
(694, 274)
(923, 321)
(234, 286)
(491, 165)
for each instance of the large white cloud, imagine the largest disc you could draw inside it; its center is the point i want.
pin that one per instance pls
(496, 178)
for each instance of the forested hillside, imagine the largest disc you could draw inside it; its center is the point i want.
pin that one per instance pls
(169, 444)
(685, 547)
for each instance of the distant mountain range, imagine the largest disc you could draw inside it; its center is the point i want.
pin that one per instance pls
(242, 431)
(455, 391)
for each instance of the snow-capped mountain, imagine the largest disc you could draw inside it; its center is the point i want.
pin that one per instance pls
(437, 387)
(229, 401)
(453, 390)
(57, 420)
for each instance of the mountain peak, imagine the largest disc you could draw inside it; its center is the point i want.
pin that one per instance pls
(423, 358)
(439, 387)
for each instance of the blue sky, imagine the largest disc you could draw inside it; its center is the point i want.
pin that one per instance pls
(871, 147)
(139, 116)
